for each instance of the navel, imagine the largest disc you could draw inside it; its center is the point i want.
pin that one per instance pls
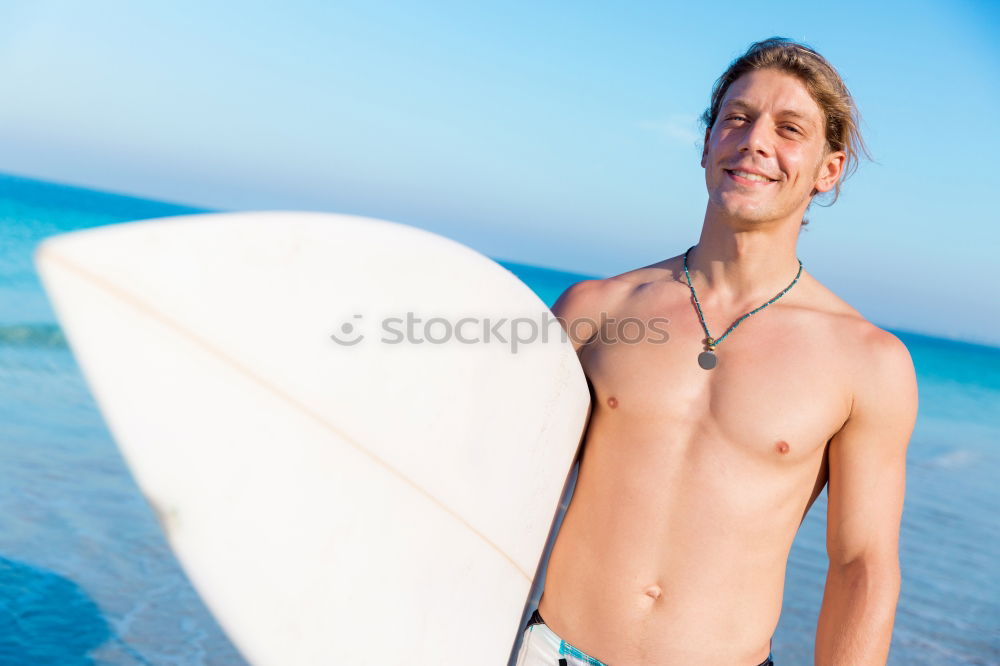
(782, 446)
(654, 591)
(612, 402)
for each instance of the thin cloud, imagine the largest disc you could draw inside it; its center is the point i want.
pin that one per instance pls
(680, 128)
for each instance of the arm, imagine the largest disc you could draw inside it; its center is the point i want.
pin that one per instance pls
(579, 311)
(867, 459)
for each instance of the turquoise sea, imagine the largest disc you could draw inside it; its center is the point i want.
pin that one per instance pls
(87, 578)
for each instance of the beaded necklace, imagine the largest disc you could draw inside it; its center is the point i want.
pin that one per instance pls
(707, 359)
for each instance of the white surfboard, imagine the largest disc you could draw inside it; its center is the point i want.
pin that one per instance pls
(357, 502)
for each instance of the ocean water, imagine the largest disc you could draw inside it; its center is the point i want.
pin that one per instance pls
(86, 576)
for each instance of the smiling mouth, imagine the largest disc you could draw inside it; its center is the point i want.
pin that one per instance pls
(748, 179)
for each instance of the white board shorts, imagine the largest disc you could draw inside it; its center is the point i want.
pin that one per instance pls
(540, 646)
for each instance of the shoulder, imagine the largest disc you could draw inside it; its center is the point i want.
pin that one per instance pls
(582, 296)
(879, 373)
(584, 305)
(850, 335)
(585, 297)
(884, 375)
(874, 364)
(875, 356)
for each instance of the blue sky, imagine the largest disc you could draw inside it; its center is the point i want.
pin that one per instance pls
(558, 134)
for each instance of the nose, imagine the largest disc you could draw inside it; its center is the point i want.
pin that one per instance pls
(755, 139)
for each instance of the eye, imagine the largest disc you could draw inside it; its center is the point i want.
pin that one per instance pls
(793, 128)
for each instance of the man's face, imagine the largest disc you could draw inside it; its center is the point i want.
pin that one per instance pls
(769, 124)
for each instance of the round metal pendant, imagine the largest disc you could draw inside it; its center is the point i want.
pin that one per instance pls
(707, 360)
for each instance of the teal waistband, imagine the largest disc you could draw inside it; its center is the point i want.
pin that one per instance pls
(566, 648)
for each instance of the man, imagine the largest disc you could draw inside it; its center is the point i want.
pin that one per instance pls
(704, 453)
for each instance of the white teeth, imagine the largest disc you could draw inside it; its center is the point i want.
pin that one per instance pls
(751, 176)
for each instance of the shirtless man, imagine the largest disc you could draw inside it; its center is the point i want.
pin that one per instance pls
(693, 481)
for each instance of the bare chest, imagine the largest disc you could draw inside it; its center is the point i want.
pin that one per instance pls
(779, 390)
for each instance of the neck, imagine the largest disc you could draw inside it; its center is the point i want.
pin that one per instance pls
(734, 268)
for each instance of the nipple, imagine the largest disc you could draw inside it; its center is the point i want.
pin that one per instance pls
(782, 446)
(612, 402)
(654, 591)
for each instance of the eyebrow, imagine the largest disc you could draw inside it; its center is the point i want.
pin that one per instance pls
(744, 104)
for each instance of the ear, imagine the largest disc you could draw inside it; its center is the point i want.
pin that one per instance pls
(704, 149)
(830, 170)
